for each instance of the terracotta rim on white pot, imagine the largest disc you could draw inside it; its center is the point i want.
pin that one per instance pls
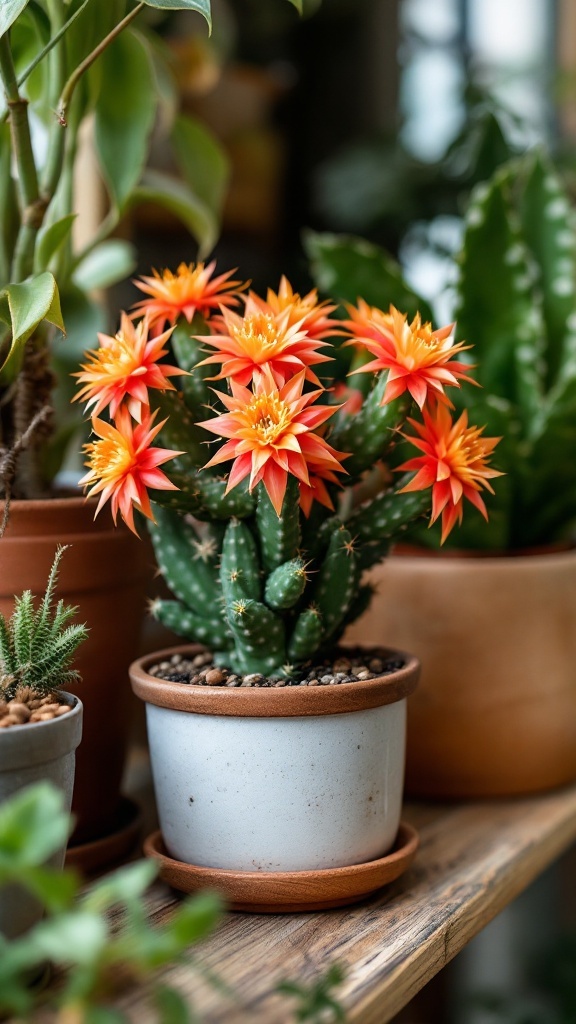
(273, 702)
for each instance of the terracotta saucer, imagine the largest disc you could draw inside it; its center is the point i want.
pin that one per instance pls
(272, 892)
(97, 854)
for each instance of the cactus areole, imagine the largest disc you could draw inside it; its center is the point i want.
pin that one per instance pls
(317, 415)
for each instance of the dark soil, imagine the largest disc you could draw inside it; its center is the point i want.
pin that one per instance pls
(348, 667)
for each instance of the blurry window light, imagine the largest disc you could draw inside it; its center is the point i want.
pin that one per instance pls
(507, 45)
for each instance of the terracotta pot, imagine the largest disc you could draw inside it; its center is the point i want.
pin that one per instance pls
(277, 780)
(495, 712)
(104, 573)
(29, 754)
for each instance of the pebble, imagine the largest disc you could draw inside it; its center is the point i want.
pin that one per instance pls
(215, 677)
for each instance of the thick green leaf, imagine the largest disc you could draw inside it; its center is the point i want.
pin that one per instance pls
(103, 1015)
(497, 308)
(550, 231)
(121, 886)
(28, 305)
(202, 162)
(176, 197)
(172, 1007)
(195, 918)
(33, 825)
(55, 889)
(203, 7)
(110, 262)
(552, 491)
(96, 21)
(9, 11)
(125, 112)
(349, 268)
(50, 239)
(77, 937)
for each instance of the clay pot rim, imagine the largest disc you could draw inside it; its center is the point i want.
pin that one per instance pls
(60, 501)
(260, 702)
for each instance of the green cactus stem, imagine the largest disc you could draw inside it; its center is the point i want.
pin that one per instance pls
(259, 636)
(186, 561)
(239, 566)
(336, 581)
(370, 435)
(279, 535)
(212, 631)
(306, 636)
(189, 352)
(180, 432)
(285, 585)
(376, 522)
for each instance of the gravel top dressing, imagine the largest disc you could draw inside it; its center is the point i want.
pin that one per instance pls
(351, 667)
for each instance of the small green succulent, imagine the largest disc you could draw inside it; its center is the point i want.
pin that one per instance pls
(37, 644)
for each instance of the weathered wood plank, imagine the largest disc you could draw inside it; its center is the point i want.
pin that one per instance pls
(474, 859)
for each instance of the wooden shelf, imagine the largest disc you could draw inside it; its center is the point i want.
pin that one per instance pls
(473, 860)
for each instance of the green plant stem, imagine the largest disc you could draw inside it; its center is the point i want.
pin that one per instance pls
(57, 78)
(32, 206)
(78, 72)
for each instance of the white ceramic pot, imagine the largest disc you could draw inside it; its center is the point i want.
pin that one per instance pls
(287, 779)
(29, 754)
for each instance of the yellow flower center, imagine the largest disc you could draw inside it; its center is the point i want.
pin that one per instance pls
(119, 359)
(268, 417)
(257, 335)
(110, 459)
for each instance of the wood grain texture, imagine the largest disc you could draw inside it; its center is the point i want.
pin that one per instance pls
(473, 860)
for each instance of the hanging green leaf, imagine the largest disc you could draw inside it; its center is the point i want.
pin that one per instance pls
(27, 305)
(125, 112)
(202, 161)
(348, 267)
(202, 7)
(179, 199)
(9, 11)
(108, 263)
(50, 239)
(498, 311)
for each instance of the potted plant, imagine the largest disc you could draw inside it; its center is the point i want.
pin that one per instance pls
(40, 723)
(273, 751)
(63, 66)
(494, 620)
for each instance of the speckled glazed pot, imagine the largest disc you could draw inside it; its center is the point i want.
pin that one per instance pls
(288, 779)
(29, 754)
(495, 711)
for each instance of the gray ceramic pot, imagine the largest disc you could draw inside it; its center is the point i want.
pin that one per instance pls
(28, 754)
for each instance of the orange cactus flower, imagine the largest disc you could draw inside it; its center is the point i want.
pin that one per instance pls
(123, 465)
(258, 342)
(271, 432)
(418, 359)
(192, 289)
(454, 464)
(315, 489)
(124, 367)
(312, 316)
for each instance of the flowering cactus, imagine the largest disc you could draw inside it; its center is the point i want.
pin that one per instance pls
(266, 560)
